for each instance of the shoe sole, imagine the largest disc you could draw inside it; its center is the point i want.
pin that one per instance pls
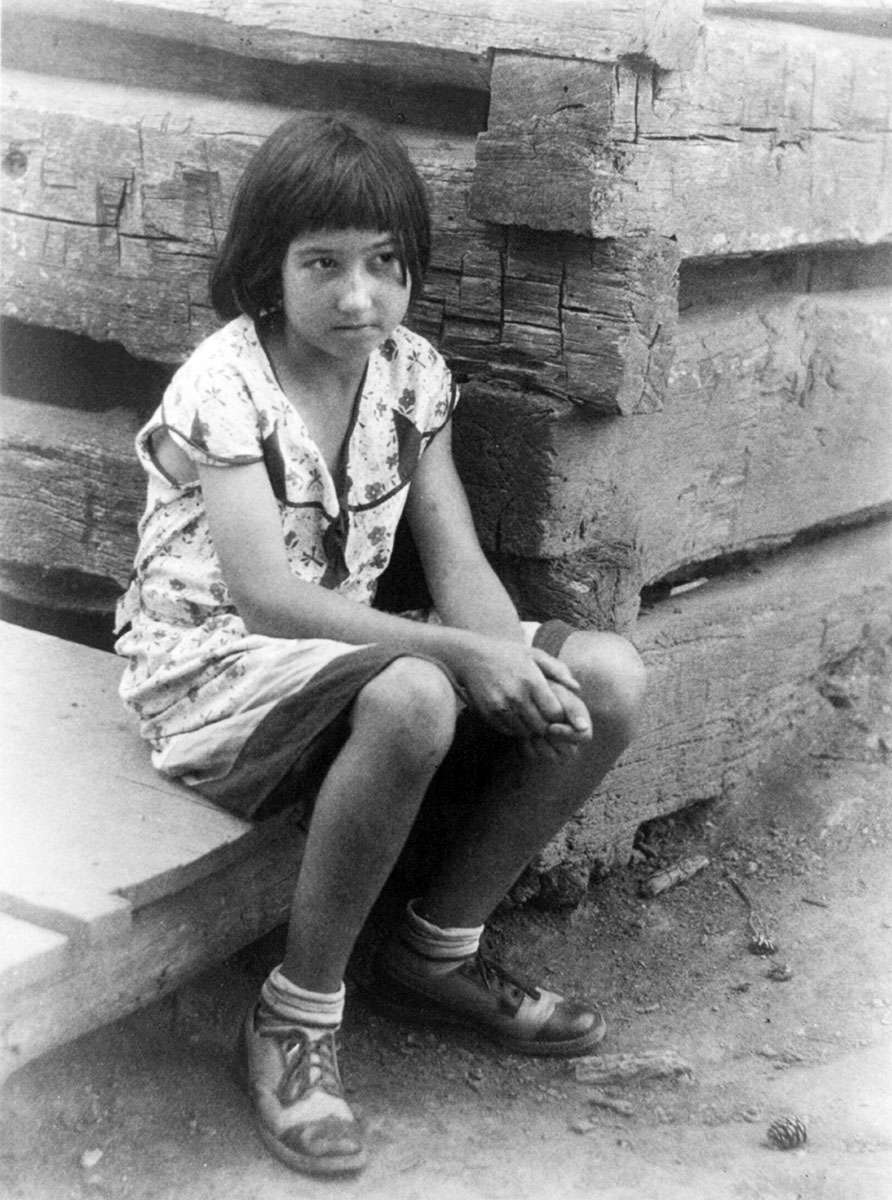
(416, 1009)
(348, 1165)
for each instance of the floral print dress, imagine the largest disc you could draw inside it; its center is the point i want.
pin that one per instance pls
(227, 711)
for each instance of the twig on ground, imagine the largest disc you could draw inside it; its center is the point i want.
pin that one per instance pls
(621, 1068)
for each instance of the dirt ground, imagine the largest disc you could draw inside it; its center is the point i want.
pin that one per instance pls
(147, 1110)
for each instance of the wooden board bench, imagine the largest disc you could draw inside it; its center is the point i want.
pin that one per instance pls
(115, 884)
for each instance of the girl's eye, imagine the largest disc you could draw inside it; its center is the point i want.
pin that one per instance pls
(323, 264)
(389, 261)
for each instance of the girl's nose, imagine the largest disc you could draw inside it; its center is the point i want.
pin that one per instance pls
(355, 292)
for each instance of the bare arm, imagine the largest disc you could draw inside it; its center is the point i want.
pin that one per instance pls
(466, 591)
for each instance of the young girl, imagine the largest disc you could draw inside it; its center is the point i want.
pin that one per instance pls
(279, 463)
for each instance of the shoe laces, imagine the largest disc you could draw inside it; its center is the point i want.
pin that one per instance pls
(495, 978)
(311, 1060)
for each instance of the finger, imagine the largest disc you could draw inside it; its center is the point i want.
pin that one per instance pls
(577, 715)
(546, 701)
(553, 668)
(562, 731)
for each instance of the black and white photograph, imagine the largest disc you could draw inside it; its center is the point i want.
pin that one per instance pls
(446, 600)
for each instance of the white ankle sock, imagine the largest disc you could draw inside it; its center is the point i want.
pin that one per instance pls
(313, 1010)
(431, 941)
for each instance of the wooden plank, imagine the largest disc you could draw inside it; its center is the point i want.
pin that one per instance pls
(91, 831)
(47, 891)
(451, 95)
(450, 40)
(751, 77)
(775, 137)
(115, 200)
(740, 195)
(175, 938)
(871, 18)
(777, 418)
(732, 669)
(786, 83)
(589, 322)
(28, 954)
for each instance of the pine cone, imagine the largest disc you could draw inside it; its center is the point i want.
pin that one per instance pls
(786, 1133)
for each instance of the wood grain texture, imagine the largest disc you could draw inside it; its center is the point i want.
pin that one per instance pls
(447, 40)
(115, 206)
(776, 418)
(872, 18)
(406, 94)
(775, 137)
(71, 494)
(732, 668)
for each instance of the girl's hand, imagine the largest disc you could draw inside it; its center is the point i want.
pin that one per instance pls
(522, 692)
(562, 739)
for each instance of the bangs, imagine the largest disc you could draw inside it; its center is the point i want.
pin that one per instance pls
(350, 183)
(353, 190)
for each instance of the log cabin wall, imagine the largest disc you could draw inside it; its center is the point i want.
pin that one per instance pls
(661, 272)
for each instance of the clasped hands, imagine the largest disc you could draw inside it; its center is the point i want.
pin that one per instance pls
(528, 694)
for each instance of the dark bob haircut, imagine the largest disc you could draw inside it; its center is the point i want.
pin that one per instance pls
(317, 171)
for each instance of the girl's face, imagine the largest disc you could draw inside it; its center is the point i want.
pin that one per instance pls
(343, 291)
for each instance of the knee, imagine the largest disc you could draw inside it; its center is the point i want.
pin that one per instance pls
(612, 676)
(410, 707)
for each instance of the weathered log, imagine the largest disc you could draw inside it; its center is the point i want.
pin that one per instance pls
(115, 202)
(777, 418)
(773, 141)
(71, 492)
(787, 82)
(596, 588)
(46, 40)
(449, 40)
(732, 668)
(581, 320)
(114, 210)
(872, 18)
(742, 195)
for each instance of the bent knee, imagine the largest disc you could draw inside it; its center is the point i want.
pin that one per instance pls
(611, 673)
(412, 704)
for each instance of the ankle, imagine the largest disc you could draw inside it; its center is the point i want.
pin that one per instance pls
(321, 1011)
(433, 941)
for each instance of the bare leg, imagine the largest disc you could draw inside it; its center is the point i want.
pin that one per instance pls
(402, 724)
(529, 801)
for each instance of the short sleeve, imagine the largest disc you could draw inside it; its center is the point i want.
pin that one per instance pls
(212, 416)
